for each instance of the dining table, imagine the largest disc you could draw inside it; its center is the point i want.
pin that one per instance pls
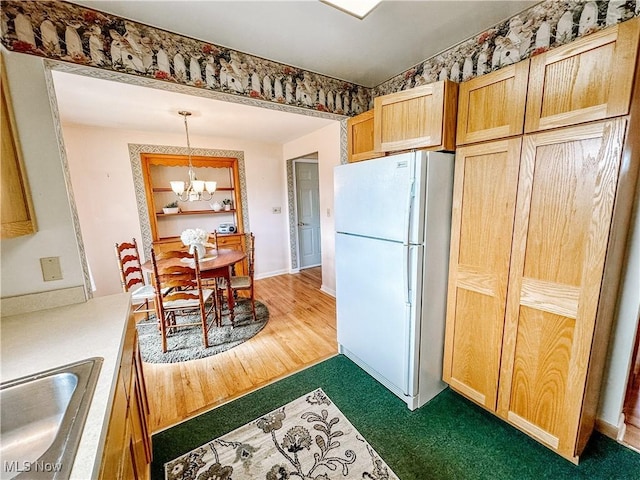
(216, 263)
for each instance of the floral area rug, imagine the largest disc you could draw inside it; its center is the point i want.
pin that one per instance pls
(307, 439)
(186, 343)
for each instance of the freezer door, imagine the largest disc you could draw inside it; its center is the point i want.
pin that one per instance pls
(374, 316)
(374, 198)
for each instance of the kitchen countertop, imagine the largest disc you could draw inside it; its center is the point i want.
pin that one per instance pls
(37, 341)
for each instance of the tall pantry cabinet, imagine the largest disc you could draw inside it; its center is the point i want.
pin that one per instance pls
(540, 218)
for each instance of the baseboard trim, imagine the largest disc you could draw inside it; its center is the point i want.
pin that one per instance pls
(271, 274)
(607, 429)
(328, 291)
(34, 302)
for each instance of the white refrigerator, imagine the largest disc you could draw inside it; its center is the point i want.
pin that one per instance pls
(393, 224)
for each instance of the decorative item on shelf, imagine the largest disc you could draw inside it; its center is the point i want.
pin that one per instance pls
(171, 208)
(226, 204)
(215, 206)
(195, 239)
(196, 189)
(227, 228)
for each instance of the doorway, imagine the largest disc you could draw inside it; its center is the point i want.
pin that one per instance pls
(307, 208)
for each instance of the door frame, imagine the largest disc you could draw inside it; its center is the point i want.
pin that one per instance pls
(293, 217)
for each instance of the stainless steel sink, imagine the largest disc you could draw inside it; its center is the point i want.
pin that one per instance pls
(43, 416)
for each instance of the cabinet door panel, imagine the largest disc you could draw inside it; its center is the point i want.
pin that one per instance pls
(17, 216)
(540, 372)
(420, 117)
(485, 186)
(566, 195)
(492, 106)
(589, 79)
(116, 441)
(360, 145)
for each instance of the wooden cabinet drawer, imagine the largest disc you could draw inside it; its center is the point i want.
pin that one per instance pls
(589, 79)
(422, 117)
(492, 106)
(360, 144)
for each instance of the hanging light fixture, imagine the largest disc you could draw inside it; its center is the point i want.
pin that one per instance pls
(196, 189)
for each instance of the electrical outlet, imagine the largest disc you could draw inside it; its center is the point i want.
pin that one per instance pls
(276, 210)
(51, 268)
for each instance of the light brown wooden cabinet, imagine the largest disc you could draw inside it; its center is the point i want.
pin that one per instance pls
(539, 228)
(127, 452)
(360, 145)
(589, 79)
(566, 194)
(492, 106)
(485, 185)
(418, 118)
(17, 215)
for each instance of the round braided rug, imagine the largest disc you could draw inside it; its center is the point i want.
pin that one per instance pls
(186, 343)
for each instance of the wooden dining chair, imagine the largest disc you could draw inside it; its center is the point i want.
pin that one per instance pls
(179, 272)
(132, 277)
(244, 282)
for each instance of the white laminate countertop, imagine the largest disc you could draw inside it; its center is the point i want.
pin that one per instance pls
(45, 339)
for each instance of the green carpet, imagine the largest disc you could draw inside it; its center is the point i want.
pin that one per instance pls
(449, 438)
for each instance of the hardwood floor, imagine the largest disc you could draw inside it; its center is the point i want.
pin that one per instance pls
(301, 331)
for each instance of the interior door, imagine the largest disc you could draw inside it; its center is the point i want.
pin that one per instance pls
(566, 193)
(308, 213)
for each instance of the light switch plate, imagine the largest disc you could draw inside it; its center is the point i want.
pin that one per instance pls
(51, 268)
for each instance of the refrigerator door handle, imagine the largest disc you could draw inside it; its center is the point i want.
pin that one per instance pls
(406, 277)
(407, 239)
(409, 212)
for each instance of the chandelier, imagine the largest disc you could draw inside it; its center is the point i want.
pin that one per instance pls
(196, 189)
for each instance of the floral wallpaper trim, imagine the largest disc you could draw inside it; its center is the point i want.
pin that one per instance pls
(75, 218)
(549, 24)
(64, 31)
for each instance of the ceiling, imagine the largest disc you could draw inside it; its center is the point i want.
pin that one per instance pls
(308, 34)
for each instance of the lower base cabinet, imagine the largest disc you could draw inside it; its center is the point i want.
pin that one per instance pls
(127, 451)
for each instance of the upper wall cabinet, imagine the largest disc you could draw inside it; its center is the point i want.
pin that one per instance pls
(492, 106)
(589, 79)
(17, 210)
(360, 137)
(422, 117)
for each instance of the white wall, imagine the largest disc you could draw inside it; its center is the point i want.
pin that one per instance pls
(326, 142)
(104, 192)
(623, 331)
(21, 273)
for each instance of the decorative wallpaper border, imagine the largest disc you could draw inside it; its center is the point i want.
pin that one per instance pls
(71, 33)
(544, 26)
(75, 218)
